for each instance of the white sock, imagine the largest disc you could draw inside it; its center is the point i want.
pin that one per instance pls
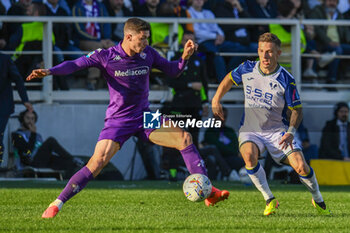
(310, 182)
(258, 177)
(57, 203)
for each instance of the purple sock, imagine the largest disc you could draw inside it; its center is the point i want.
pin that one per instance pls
(193, 160)
(78, 181)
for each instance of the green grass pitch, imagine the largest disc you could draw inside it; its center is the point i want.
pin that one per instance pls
(160, 206)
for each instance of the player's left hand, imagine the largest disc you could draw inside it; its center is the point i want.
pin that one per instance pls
(189, 49)
(287, 140)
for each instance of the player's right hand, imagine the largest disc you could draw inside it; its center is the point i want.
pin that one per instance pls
(287, 140)
(38, 73)
(217, 110)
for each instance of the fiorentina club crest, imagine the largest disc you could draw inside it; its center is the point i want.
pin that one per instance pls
(143, 55)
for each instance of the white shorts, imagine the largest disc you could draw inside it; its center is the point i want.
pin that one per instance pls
(270, 142)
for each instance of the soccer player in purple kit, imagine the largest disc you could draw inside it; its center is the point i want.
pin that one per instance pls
(126, 69)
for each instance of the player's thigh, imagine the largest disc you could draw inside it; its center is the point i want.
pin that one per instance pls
(279, 155)
(251, 145)
(250, 153)
(104, 151)
(297, 161)
(173, 137)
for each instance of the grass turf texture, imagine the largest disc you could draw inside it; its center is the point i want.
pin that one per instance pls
(146, 206)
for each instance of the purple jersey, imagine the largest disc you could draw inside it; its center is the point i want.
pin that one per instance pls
(127, 77)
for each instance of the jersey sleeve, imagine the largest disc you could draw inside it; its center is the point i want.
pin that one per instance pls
(292, 96)
(236, 74)
(97, 58)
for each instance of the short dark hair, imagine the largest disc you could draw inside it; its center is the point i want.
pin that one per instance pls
(269, 37)
(137, 25)
(23, 113)
(338, 106)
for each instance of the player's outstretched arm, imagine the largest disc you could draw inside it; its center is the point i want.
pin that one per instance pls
(65, 68)
(189, 49)
(223, 88)
(38, 73)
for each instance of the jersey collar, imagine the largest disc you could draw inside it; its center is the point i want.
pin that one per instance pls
(263, 74)
(123, 54)
(121, 51)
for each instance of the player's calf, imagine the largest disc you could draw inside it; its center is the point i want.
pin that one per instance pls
(78, 181)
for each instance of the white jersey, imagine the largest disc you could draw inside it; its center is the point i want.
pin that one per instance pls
(267, 97)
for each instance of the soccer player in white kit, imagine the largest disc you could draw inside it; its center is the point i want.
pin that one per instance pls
(270, 95)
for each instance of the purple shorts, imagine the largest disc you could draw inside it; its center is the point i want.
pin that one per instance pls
(121, 129)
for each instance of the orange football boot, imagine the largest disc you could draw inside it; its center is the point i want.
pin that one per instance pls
(50, 212)
(216, 196)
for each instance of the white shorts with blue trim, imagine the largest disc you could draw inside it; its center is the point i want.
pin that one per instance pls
(269, 141)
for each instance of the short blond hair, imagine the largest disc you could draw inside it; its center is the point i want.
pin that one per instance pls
(269, 37)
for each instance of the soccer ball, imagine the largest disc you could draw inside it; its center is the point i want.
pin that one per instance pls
(197, 187)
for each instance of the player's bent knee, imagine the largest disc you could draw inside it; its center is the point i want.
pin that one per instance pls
(250, 158)
(96, 163)
(303, 169)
